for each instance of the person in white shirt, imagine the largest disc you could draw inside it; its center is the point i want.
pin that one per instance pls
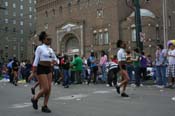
(42, 67)
(121, 55)
(171, 65)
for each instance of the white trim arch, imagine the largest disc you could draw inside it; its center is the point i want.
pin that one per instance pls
(144, 13)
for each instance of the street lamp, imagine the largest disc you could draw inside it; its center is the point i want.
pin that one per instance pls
(138, 24)
(135, 4)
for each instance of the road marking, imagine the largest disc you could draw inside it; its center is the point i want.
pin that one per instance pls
(23, 105)
(101, 92)
(71, 97)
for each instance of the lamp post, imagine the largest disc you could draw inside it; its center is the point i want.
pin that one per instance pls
(165, 23)
(139, 43)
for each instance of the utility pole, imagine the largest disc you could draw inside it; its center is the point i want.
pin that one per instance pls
(165, 23)
(139, 43)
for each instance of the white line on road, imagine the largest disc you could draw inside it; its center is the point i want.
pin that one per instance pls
(22, 105)
(71, 97)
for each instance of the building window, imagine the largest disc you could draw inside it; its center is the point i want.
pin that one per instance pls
(61, 10)
(21, 23)
(100, 38)
(14, 47)
(46, 26)
(6, 20)
(69, 7)
(22, 40)
(95, 36)
(30, 16)
(14, 29)
(106, 37)
(22, 31)
(30, 9)
(21, 14)
(14, 5)
(134, 35)
(99, 12)
(6, 4)
(14, 14)
(78, 4)
(14, 22)
(88, 2)
(34, 1)
(30, 24)
(46, 13)
(30, 1)
(21, 0)
(6, 29)
(21, 7)
(53, 10)
(6, 12)
(34, 9)
(169, 21)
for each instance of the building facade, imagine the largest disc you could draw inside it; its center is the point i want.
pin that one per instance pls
(17, 25)
(82, 26)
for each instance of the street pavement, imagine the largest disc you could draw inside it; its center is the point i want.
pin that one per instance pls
(92, 100)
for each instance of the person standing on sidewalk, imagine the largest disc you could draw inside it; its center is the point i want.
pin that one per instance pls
(42, 67)
(171, 65)
(78, 64)
(121, 55)
(161, 66)
(93, 68)
(66, 75)
(103, 61)
(136, 64)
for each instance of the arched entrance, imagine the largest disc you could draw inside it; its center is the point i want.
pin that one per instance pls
(70, 45)
(150, 30)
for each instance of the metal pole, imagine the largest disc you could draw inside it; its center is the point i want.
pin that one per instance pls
(165, 23)
(138, 24)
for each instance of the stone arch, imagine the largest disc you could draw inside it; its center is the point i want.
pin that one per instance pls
(70, 44)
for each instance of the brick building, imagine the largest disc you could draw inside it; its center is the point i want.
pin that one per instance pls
(81, 26)
(17, 25)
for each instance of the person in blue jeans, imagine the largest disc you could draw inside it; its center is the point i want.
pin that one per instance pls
(103, 61)
(93, 68)
(161, 62)
(56, 72)
(136, 64)
(129, 65)
(66, 66)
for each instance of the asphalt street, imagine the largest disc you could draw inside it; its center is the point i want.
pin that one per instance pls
(92, 100)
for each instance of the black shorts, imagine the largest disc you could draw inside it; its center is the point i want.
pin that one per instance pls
(43, 69)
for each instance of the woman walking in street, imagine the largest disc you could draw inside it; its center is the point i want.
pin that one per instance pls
(121, 55)
(43, 62)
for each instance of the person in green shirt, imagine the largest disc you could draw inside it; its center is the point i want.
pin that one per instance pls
(136, 64)
(78, 64)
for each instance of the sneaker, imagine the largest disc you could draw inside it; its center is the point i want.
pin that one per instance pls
(124, 95)
(33, 91)
(35, 103)
(117, 89)
(173, 98)
(45, 109)
(141, 85)
(67, 86)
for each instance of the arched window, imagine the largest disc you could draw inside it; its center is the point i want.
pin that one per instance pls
(144, 13)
